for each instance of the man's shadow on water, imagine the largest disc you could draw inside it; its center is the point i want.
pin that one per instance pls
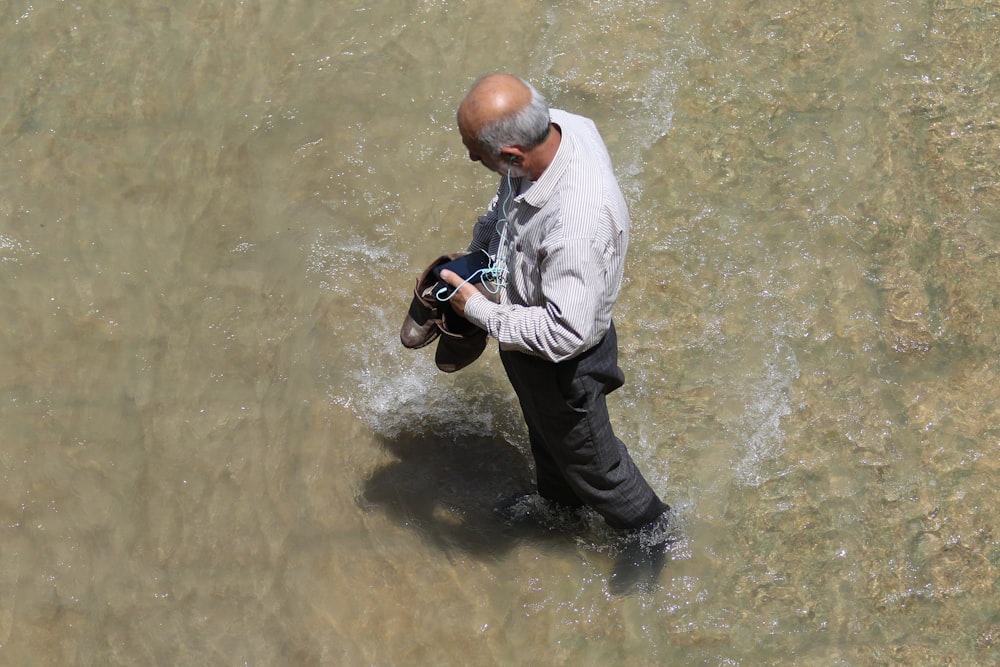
(450, 489)
(455, 492)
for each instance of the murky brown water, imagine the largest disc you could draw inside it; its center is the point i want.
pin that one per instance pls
(214, 450)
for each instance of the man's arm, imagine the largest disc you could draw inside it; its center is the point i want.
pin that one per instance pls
(572, 316)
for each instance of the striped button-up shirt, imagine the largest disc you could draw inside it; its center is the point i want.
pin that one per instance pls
(566, 237)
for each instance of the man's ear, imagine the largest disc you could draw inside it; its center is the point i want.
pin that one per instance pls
(512, 155)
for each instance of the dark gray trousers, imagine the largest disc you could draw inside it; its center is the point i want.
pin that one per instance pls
(578, 458)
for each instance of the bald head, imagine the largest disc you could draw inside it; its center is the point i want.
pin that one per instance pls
(500, 111)
(492, 98)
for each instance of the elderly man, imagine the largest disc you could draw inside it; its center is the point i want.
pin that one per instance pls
(558, 231)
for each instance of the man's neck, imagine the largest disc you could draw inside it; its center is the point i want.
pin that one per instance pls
(540, 157)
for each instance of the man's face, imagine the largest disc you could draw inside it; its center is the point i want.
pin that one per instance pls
(478, 153)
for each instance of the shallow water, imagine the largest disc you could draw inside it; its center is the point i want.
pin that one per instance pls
(215, 451)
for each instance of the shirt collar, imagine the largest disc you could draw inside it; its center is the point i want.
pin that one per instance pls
(543, 189)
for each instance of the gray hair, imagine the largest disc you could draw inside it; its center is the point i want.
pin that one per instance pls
(527, 127)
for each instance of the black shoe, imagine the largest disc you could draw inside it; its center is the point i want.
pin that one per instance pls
(461, 342)
(642, 555)
(456, 352)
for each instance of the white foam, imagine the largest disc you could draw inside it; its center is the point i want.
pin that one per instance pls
(11, 249)
(396, 390)
(338, 261)
(760, 427)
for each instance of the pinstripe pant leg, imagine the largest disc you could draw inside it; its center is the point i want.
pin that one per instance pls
(577, 455)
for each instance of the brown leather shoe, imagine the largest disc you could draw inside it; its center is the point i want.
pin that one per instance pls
(420, 327)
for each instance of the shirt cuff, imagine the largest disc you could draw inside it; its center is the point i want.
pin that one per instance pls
(478, 310)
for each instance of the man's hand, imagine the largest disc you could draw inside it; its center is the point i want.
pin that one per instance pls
(464, 293)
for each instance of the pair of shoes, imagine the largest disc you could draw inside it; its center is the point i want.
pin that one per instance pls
(642, 555)
(420, 327)
(461, 342)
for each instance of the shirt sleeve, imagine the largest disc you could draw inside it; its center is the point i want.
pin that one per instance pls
(485, 229)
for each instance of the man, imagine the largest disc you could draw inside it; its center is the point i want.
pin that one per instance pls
(558, 229)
